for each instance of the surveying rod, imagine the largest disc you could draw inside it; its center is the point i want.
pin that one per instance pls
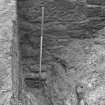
(41, 40)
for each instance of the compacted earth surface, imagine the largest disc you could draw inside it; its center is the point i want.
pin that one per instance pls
(73, 64)
(7, 16)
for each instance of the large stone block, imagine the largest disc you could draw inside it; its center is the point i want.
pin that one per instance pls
(96, 2)
(94, 11)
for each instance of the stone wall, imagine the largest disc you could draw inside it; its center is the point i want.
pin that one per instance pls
(7, 15)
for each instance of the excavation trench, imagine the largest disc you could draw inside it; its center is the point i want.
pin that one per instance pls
(61, 56)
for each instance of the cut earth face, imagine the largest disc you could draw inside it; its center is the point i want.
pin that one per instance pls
(73, 52)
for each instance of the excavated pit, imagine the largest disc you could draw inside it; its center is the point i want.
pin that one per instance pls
(73, 50)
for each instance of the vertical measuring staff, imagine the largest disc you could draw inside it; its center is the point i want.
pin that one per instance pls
(41, 39)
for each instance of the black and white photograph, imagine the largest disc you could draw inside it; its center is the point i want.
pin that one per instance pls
(52, 52)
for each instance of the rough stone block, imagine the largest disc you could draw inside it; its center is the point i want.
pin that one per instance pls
(96, 2)
(103, 12)
(94, 11)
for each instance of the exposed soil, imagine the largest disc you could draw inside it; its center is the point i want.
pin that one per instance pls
(73, 49)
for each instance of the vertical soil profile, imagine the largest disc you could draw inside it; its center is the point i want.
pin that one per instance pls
(58, 53)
